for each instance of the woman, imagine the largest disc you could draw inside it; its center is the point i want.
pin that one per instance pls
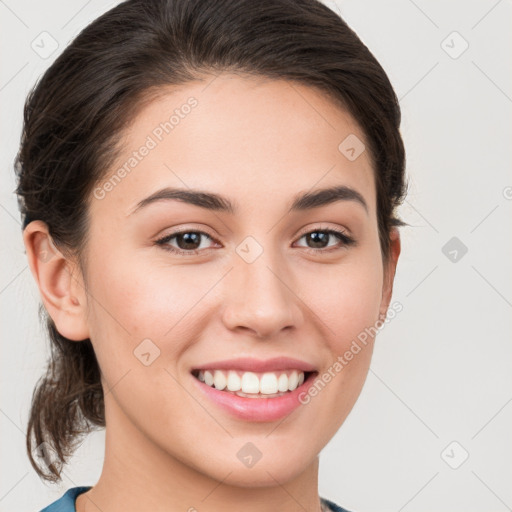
(209, 194)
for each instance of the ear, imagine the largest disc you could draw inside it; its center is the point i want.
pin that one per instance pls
(60, 282)
(389, 272)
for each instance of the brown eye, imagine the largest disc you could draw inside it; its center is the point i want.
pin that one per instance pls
(188, 242)
(319, 239)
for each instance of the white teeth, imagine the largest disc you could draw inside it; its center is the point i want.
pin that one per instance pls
(219, 379)
(282, 382)
(293, 380)
(268, 384)
(251, 383)
(257, 395)
(234, 381)
(208, 378)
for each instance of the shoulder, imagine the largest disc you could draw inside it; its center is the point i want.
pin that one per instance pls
(66, 503)
(332, 506)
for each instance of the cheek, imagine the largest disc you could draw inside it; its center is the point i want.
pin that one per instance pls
(347, 300)
(133, 301)
(147, 300)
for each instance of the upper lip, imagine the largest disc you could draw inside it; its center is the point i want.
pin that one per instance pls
(250, 364)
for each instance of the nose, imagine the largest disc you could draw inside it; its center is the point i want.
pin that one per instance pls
(260, 298)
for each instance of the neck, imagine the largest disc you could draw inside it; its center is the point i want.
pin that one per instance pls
(138, 475)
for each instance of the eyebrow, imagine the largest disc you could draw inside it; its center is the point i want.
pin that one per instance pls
(216, 202)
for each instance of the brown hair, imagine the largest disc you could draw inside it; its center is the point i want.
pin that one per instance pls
(74, 116)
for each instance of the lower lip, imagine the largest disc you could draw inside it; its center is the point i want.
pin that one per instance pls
(257, 409)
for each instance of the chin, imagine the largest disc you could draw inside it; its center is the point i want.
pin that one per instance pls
(262, 475)
(264, 472)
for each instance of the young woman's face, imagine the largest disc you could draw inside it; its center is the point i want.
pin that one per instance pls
(258, 281)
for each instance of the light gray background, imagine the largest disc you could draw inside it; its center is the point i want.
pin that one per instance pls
(441, 370)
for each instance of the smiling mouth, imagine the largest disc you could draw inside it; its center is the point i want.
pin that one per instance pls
(253, 384)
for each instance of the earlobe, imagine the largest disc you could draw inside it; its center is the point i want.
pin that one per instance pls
(389, 272)
(59, 281)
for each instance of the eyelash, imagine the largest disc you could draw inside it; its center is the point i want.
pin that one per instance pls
(342, 236)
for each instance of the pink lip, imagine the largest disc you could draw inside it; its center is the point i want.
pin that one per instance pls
(257, 409)
(249, 364)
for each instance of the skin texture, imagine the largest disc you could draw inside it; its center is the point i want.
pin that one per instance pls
(258, 142)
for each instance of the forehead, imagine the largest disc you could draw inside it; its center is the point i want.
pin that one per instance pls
(248, 138)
